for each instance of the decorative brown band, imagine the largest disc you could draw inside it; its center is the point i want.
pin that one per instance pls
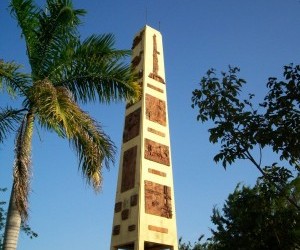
(153, 171)
(155, 88)
(154, 131)
(158, 229)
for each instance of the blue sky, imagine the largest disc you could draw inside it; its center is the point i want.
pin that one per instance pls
(258, 36)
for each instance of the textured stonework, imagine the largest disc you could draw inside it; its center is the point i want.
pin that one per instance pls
(155, 110)
(158, 199)
(132, 125)
(154, 74)
(157, 152)
(129, 165)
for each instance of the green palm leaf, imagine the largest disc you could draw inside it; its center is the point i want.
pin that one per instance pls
(92, 70)
(9, 120)
(12, 80)
(26, 13)
(56, 110)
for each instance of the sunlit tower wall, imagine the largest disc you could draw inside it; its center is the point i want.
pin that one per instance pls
(144, 212)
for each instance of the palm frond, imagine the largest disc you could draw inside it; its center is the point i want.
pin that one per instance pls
(94, 70)
(22, 166)
(9, 119)
(94, 149)
(26, 14)
(58, 22)
(43, 98)
(12, 80)
(56, 110)
(101, 47)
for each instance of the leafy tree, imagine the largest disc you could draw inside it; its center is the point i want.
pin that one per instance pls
(196, 246)
(239, 126)
(266, 216)
(259, 217)
(65, 72)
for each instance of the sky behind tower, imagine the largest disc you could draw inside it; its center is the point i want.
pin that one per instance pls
(258, 36)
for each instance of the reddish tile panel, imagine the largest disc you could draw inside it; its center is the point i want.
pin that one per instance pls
(158, 199)
(156, 110)
(157, 152)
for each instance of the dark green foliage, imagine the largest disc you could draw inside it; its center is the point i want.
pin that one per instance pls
(259, 217)
(266, 216)
(282, 105)
(196, 246)
(9, 118)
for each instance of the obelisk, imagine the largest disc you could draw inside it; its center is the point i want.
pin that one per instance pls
(144, 212)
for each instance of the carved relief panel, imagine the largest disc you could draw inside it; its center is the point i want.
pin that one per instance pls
(155, 110)
(154, 74)
(157, 152)
(158, 199)
(132, 125)
(129, 166)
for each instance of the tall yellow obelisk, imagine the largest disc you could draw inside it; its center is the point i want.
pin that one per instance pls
(144, 213)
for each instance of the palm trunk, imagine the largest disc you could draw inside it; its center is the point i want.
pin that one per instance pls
(13, 224)
(17, 209)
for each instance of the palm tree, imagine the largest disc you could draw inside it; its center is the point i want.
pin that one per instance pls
(65, 71)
